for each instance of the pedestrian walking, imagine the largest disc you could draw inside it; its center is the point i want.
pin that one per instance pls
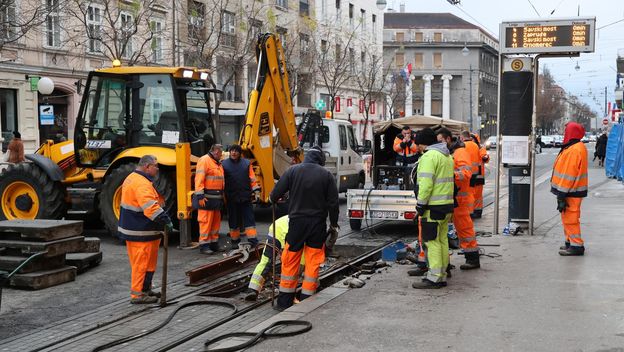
(601, 149)
(313, 196)
(240, 186)
(464, 199)
(569, 183)
(15, 150)
(208, 196)
(434, 204)
(141, 223)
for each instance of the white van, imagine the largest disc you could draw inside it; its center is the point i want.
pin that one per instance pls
(342, 154)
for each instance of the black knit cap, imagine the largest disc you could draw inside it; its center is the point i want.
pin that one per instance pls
(426, 136)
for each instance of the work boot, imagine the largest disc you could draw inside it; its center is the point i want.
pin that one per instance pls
(472, 261)
(419, 271)
(152, 293)
(205, 250)
(572, 251)
(448, 270)
(251, 295)
(215, 247)
(427, 284)
(144, 300)
(235, 243)
(253, 241)
(565, 246)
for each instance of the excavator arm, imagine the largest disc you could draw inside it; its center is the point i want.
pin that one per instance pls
(269, 136)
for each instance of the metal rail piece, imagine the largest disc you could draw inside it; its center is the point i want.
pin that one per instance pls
(220, 268)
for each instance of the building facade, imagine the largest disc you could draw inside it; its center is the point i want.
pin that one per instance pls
(445, 67)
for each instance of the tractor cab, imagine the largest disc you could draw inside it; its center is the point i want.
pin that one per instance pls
(132, 107)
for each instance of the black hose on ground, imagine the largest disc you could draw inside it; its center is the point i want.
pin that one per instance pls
(255, 337)
(165, 322)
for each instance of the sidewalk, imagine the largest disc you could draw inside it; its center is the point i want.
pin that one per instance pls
(529, 299)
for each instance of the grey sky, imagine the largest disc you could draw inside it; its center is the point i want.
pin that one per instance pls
(597, 70)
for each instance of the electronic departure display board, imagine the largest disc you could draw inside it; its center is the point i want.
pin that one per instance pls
(574, 35)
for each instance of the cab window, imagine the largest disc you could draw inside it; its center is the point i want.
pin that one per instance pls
(342, 132)
(158, 113)
(352, 140)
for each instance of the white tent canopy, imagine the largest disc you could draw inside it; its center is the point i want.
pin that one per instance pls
(419, 121)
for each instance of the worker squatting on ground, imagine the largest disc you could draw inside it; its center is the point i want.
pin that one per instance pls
(209, 185)
(484, 158)
(475, 162)
(464, 199)
(569, 183)
(141, 222)
(240, 186)
(434, 205)
(404, 146)
(312, 196)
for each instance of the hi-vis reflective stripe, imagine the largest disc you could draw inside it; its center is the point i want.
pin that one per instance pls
(467, 239)
(212, 178)
(479, 176)
(306, 292)
(148, 204)
(156, 213)
(213, 196)
(569, 190)
(130, 207)
(425, 175)
(568, 177)
(444, 180)
(200, 172)
(441, 197)
(287, 289)
(460, 177)
(138, 233)
(310, 279)
(137, 293)
(470, 250)
(464, 167)
(288, 278)
(201, 191)
(463, 194)
(436, 271)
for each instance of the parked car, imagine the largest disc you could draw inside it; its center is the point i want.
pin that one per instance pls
(490, 142)
(558, 141)
(548, 141)
(592, 138)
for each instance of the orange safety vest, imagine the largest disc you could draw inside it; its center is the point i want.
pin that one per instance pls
(569, 176)
(463, 174)
(209, 175)
(475, 160)
(140, 206)
(407, 153)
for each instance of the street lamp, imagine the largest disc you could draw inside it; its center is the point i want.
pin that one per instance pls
(45, 86)
(465, 52)
(381, 4)
(350, 111)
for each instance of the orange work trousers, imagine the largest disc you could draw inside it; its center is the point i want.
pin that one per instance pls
(478, 198)
(571, 219)
(209, 224)
(143, 259)
(291, 261)
(465, 229)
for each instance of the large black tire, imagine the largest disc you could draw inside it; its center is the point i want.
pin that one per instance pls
(355, 224)
(164, 184)
(27, 192)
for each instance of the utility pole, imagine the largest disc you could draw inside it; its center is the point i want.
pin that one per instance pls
(470, 97)
(606, 112)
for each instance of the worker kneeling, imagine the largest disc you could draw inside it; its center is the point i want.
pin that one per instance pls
(313, 195)
(434, 204)
(141, 221)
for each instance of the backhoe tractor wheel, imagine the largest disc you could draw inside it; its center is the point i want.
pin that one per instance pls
(110, 198)
(27, 192)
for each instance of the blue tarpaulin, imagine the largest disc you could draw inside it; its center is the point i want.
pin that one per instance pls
(614, 160)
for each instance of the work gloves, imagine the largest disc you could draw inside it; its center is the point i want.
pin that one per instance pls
(257, 196)
(420, 209)
(202, 202)
(332, 236)
(169, 227)
(561, 204)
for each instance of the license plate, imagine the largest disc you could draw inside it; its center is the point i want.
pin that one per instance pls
(380, 214)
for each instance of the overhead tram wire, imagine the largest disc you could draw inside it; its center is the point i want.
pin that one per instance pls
(534, 9)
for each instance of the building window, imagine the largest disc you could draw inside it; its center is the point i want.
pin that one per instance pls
(157, 41)
(228, 22)
(363, 20)
(323, 10)
(338, 13)
(363, 59)
(399, 60)
(304, 7)
(338, 52)
(418, 61)
(418, 36)
(400, 36)
(94, 28)
(282, 3)
(7, 20)
(324, 47)
(352, 59)
(8, 115)
(374, 21)
(53, 25)
(304, 45)
(196, 12)
(351, 15)
(282, 32)
(127, 31)
(437, 60)
(437, 37)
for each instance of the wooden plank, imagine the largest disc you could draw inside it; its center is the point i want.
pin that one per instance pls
(42, 230)
(83, 261)
(54, 248)
(10, 262)
(44, 279)
(90, 245)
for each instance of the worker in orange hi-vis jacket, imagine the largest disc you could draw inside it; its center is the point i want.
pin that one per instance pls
(475, 161)
(209, 186)
(480, 179)
(406, 149)
(569, 183)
